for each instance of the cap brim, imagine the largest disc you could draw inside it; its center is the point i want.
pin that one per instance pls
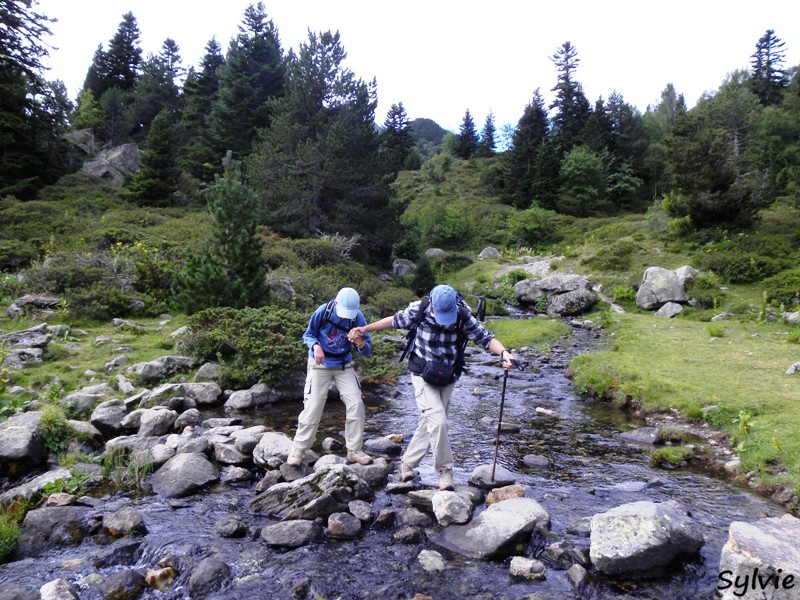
(346, 313)
(445, 318)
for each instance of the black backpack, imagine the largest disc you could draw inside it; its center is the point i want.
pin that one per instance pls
(464, 311)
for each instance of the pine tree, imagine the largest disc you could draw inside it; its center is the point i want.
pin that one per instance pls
(124, 55)
(597, 132)
(156, 182)
(155, 91)
(768, 76)
(97, 81)
(396, 139)
(467, 143)
(571, 106)
(231, 269)
(487, 142)
(253, 76)
(529, 136)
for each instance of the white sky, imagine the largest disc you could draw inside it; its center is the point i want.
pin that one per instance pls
(442, 57)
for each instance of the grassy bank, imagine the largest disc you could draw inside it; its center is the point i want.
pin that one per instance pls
(729, 373)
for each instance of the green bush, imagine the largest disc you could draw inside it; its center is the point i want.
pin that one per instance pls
(317, 252)
(535, 227)
(15, 254)
(252, 344)
(319, 285)
(452, 261)
(794, 337)
(54, 429)
(387, 302)
(68, 271)
(715, 330)
(624, 294)
(783, 288)
(705, 290)
(613, 257)
(101, 301)
(738, 267)
(9, 532)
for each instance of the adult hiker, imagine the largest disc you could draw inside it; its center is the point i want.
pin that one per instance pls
(330, 358)
(435, 363)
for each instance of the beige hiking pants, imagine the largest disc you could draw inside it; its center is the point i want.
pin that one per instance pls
(318, 380)
(433, 403)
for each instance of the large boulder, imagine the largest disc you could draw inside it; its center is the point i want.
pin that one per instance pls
(46, 528)
(642, 536)
(28, 302)
(159, 368)
(21, 444)
(255, 397)
(576, 292)
(291, 534)
(184, 474)
(107, 417)
(658, 287)
(495, 531)
(403, 266)
(575, 302)
(28, 490)
(772, 547)
(273, 449)
(114, 164)
(319, 494)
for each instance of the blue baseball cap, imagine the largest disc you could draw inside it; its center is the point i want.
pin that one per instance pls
(445, 304)
(347, 303)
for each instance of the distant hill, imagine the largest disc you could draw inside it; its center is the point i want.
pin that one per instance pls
(428, 135)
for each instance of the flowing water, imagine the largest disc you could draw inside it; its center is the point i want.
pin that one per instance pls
(591, 470)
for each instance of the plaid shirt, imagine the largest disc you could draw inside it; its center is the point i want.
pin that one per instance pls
(435, 342)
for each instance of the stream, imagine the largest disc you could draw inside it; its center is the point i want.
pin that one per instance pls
(591, 470)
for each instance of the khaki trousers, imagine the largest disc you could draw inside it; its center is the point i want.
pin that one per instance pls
(433, 403)
(318, 380)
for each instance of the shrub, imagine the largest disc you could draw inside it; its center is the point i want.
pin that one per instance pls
(54, 429)
(705, 290)
(315, 287)
(452, 261)
(388, 301)
(317, 252)
(794, 337)
(67, 271)
(783, 288)
(739, 267)
(15, 254)
(9, 532)
(670, 457)
(624, 294)
(613, 257)
(101, 301)
(252, 344)
(536, 227)
(715, 330)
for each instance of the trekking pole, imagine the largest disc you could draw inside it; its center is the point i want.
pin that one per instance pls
(520, 367)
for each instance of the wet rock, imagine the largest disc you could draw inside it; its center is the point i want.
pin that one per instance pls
(258, 395)
(360, 510)
(160, 454)
(246, 440)
(474, 495)
(273, 448)
(44, 529)
(107, 417)
(422, 499)
(643, 435)
(629, 487)
(28, 490)
(383, 445)
(227, 454)
(270, 478)
(330, 444)
(407, 535)
(126, 521)
(386, 519)
(450, 507)
(156, 421)
(772, 546)
(526, 567)
(564, 554)
(415, 517)
(230, 527)
(658, 287)
(233, 475)
(581, 526)
(431, 561)
(193, 445)
(374, 474)
(400, 487)
(504, 493)
(59, 589)
(124, 585)
(326, 462)
(209, 576)
(482, 477)
(536, 461)
(188, 418)
(21, 445)
(496, 530)
(343, 525)
(579, 579)
(294, 472)
(184, 474)
(160, 579)
(61, 499)
(291, 534)
(124, 552)
(642, 536)
(317, 495)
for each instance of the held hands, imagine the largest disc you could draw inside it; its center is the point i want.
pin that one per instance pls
(356, 336)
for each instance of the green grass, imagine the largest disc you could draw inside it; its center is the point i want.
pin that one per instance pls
(670, 457)
(516, 333)
(665, 364)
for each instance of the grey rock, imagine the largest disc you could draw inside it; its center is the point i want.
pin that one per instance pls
(579, 579)
(658, 287)
(233, 475)
(20, 441)
(330, 444)
(382, 445)
(227, 454)
(641, 536)
(44, 529)
(159, 368)
(291, 534)
(495, 531)
(530, 291)
(29, 302)
(28, 490)
(273, 449)
(450, 507)
(113, 164)
(564, 554)
(669, 310)
(434, 252)
(574, 302)
(482, 477)
(107, 417)
(407, 535)
(326, 462)
(19, 358)
(795, 368)
(58, 589)
(126, 521)
(188, 418)
(536, 461)
(317, 495)
(258, 395)
(156, 421)
(183, 475)
(282, 288)
(374, 474)
(686, 274)
(489, 252)
(414, 517)
(230, 527)
(343, 525)
(527, 568)
(123, 584)
(771, 545)
(643, 435)
(403, 266)
(422, 499)
(209, 576)
(360, 510)
(208, 372)
(431, 561)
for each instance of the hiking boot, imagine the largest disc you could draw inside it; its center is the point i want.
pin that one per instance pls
(295, 456)
(406, 472)
(358, 456)
(445, 479)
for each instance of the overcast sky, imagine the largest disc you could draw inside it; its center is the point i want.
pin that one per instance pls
(442, 57)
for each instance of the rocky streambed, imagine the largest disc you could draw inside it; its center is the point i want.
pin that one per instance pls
(574, 509)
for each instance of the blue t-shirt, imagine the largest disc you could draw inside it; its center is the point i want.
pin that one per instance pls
(332, 337)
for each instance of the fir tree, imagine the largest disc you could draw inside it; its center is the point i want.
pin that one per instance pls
(124, 55)
(487, 141)
(156, 182)
(529, 136)
(467, 143)
(768, 77)
(231, 269)
(396, 139)
(570, 103)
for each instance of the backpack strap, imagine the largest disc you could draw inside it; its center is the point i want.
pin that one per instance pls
(326, 318)
(424, 302)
